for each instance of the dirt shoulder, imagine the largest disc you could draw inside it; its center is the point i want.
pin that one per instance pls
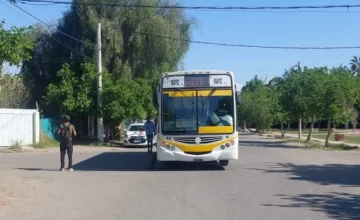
(19, 193)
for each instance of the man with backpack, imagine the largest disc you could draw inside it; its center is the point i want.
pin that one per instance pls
(66, 132)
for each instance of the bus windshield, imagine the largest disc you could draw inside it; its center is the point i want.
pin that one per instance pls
(198, 112)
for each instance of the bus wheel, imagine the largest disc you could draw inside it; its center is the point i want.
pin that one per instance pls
(224, 162)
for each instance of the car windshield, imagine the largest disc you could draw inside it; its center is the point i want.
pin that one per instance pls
(136, 128)
(199, 112)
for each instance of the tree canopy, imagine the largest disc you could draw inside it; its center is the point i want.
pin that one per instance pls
(15, 46)
(302, 93)
(131, 50)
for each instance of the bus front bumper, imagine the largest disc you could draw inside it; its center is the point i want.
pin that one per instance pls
(164, 154)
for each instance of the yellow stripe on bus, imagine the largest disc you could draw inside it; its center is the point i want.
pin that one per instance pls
(215, 93)
(198, 147)
(215, 129)
(200, 93)
(180, 93)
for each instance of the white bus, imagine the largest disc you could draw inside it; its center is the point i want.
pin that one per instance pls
(197, 117)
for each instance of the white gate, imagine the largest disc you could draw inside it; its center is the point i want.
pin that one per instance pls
(19, 125)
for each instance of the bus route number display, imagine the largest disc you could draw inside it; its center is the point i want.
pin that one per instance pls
(197, 81)
(194, 81)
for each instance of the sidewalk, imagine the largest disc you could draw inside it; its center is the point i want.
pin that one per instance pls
(319, 140)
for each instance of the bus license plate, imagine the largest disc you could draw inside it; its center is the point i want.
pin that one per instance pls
(198, 159)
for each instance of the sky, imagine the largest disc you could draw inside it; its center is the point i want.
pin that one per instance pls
(336, 27)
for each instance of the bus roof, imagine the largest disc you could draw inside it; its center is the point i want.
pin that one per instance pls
(198, 72)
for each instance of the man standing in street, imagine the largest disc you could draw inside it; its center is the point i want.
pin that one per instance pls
(66, 132)
(150, 130)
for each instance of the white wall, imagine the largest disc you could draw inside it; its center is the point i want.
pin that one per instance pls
(22, 125)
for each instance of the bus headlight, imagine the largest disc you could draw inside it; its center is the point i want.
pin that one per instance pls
(232, 142)
(172, 148)
(222, 147)
(227, 145)
(168, 146)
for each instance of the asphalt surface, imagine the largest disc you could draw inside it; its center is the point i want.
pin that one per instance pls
(271, 180)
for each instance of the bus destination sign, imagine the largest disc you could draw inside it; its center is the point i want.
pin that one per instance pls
(194, 81)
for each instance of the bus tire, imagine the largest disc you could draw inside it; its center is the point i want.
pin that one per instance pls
(224, 162)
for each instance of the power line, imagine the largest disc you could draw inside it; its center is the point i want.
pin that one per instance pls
(251, 46)
(57, 40)
(195, 7)
(38, 19)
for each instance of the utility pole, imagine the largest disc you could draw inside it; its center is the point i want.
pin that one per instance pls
(100, 125)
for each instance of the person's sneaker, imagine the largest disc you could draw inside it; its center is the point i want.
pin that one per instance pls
(71, 170)
(62, 169)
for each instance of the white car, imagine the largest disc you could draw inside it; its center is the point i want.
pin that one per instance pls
(135, 135)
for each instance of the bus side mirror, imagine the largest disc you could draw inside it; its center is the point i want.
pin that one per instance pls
(237, 96)
(155, 99)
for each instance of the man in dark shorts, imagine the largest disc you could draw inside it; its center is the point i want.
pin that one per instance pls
(66, 132)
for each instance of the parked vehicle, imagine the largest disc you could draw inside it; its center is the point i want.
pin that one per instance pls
(135, 135)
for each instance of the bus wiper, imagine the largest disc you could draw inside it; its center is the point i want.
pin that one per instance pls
(182, 92)
(210, 94)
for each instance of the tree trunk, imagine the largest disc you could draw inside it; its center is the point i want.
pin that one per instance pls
(282, 129)
(347, 125)
(353, 124)
(288, 128)
(304, 124)
(244, 124)
(328, 134)
(311, 128)
(299, 126)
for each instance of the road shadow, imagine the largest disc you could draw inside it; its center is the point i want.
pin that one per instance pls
(328, 174)
(340, 206)
(138, 161)
(37, 169)
(270, 144)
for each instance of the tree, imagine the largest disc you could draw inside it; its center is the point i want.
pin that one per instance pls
(340, 95)
(294, 95)
(13, 92)
(74, 94)
(314, 91)
(354, 114)
(15, 46)
(355, 65)
(278, 111)
(130, 50)
(257, 104)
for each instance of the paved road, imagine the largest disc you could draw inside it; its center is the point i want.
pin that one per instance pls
(271, 180)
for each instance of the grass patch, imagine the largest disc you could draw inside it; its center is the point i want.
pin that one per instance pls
(348, 138)
(16, 147)
(352, 139)
(321, 146)
(46, 142)
(7, 151)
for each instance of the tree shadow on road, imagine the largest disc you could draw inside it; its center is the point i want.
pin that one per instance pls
(137, 161)
(270, 144)
(341, 206)
(328, 174)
